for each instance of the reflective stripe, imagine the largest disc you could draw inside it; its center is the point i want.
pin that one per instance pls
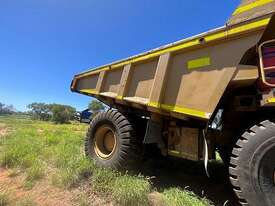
(170, 108)
(89, 91)
(119, 97)
(173, 152)
(198, 63)
(270, 100)
(250, 6)
(179, 109)
(187, 111)
(154, 104)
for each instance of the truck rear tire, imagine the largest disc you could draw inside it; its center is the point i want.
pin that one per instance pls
(252, 166)
(111, 141)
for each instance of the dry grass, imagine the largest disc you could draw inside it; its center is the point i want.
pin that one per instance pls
(4, 199)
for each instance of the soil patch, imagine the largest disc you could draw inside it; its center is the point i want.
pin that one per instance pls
(3, 130)
(45, 194)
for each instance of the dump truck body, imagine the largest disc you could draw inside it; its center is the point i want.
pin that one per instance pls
(187, 78)
(192, 98)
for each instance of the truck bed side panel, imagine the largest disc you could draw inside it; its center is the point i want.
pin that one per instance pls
(200, 89)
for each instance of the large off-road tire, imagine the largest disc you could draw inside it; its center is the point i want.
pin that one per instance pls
(252, 166)
(111, 141)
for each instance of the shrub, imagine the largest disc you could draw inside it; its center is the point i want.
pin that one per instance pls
(96, 106)
(62, 113)
(39, 111)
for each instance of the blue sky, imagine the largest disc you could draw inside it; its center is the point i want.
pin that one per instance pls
(44, 43)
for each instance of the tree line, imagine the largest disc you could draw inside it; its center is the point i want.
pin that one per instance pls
(57, 113)
(6, 109)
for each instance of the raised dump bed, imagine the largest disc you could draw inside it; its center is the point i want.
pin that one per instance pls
(192, 98)
(186, 78)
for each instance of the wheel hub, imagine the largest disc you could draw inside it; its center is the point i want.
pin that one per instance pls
(105, 142)
(109, 141)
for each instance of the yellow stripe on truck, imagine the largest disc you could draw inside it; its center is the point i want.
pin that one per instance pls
(89, 91)
(195, 42)
(271, 100)
(251, 6)
(181, 110)
(183, 45)
(157, 53)
(247, 27)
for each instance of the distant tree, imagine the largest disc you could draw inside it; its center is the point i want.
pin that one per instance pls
(7, 109)
(62, 113)
(96, 106)
(10, 109)
(2, 107)
(40, 111)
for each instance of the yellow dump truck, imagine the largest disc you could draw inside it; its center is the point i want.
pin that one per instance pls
(211, 92)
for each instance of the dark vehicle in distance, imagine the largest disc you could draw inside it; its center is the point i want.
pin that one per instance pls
(85, 116)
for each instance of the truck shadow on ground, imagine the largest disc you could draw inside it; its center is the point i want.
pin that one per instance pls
(167, 173)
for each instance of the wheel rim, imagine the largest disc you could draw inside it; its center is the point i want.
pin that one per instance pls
(105, 142)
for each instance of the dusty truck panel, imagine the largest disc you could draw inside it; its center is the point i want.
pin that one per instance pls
(193, 98)
(211, 59)
(186, 88)
(112, 82)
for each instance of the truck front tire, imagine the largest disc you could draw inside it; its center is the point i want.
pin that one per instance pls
(252, 166)
(111, 141)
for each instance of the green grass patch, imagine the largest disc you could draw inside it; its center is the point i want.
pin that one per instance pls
(179, 197)
(103, 180)
(35, 172)
(73, 172)
(124, 188)
(34, 146)
(131, 190)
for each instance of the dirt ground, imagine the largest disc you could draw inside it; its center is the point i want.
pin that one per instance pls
(177, 173)
(42, 193)
(3, 130)
(45, 194)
